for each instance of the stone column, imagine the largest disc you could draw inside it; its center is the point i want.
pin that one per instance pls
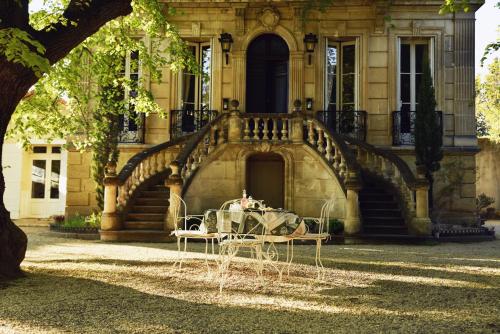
(421, 224)
(174, 183)
(239, 77)
(352, 222)
(465, 120)
(110, 220)
(296, 77)
(234, 130)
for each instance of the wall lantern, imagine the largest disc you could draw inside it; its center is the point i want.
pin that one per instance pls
(310, 41)
(225, 104)
(309, 103)
(225, 41)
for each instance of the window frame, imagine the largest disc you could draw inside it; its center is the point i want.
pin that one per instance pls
(197, 105)
(412, 41)
(339, 44)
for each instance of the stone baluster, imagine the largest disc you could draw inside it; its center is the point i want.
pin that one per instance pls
(328, 154)
(336, 159)
(275, 123)
(342, 167)
(265, 134)
(320, 142)
(284, 131)
(311, 139)
(246, 132)
(110, 220)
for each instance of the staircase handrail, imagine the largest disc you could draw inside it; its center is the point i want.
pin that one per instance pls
(411, 180)
(196, 139)
(135, 160)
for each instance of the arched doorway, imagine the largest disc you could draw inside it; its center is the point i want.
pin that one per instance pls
(266, 178)
(267, 75)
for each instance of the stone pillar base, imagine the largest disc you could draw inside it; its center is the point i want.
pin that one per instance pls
(420, 226)
(352, 226)
(110, 222)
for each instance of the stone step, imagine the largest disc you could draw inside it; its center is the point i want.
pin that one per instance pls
(137, 235)
(385, 229)
(159, 187)
(143, 225)
(154, 193)
(145, 217)
(394, 221)
(366, 205)
(153, 201)
(150, 209)
(376, 212)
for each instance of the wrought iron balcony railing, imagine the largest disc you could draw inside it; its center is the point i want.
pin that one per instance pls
(184, 121)
(347, 122)
(403, 127)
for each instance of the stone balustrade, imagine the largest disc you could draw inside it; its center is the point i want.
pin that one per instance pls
(266, 127)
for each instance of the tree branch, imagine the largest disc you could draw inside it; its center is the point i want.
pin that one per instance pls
(88, 17)
(14, 14)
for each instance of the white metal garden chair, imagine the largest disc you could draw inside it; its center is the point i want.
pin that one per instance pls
(320, 234)
(231, 225)
(199, 230)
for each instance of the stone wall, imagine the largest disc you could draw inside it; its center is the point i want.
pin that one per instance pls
(308, 181)
(454, 189)
(81, 195)
(488, 170)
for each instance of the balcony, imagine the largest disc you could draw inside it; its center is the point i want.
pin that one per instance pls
(347, 122)
(183, 122)
(403, 127)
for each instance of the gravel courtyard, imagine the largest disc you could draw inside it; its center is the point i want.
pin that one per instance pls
(76, 286)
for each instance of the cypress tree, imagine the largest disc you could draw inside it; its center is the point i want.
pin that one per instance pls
(428, 131)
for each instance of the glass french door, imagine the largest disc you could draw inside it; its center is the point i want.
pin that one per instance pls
(45, 193)
(341, 75)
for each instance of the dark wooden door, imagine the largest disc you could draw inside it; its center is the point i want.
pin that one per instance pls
(266, 179)
(267, 75)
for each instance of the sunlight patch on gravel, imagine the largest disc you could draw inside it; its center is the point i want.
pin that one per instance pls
(76, 286)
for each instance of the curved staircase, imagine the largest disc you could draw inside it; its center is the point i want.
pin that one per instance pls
(382, 193)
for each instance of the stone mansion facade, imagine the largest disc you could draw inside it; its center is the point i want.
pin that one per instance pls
(297, 108)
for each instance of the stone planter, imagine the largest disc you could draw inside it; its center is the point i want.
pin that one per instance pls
(79, 230)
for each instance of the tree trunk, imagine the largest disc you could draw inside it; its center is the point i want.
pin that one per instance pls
(16, 81)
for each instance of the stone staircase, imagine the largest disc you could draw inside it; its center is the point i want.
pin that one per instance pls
(148, 209)
(380, 210)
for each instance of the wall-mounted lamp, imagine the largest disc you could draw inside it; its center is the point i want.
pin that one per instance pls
(309, 103)
(225, 104)
(225, 41)
(310, 41)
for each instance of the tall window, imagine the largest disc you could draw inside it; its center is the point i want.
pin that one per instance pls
(412, 54)
(131, 130)
(341, 78)
(195, 90)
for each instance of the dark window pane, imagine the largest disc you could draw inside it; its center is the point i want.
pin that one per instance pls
(418, 80)
(347, 90)
(421, 53)
(38, 179)
(348, 59)
(405, 88)
(54, 178)
(405, 58)
(56, 149)
(40, 149)
(134, 55)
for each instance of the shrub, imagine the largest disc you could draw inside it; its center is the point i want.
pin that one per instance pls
(336, 226)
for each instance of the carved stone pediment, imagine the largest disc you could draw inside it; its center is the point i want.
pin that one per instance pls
(269, 18)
